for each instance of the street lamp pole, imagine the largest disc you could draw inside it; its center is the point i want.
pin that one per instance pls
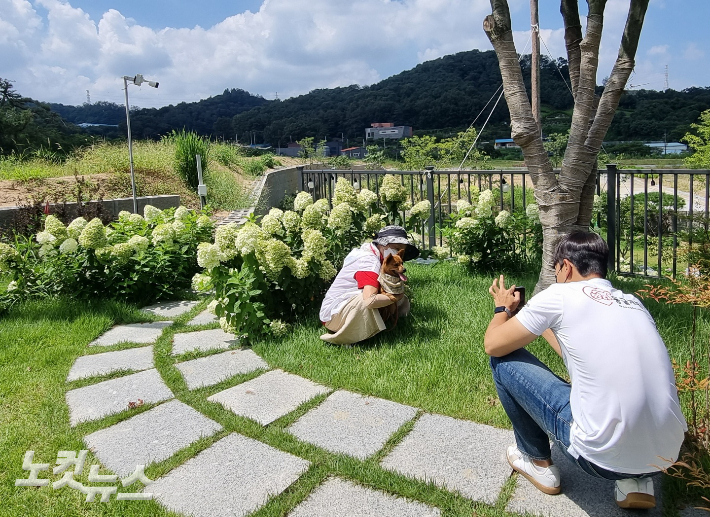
(137, 80)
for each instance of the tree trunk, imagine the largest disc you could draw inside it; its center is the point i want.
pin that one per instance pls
(566, 202)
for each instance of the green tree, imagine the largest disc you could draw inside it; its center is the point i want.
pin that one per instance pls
(699, 143)
(556, 146)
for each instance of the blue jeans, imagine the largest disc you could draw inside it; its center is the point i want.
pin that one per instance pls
(537, 403)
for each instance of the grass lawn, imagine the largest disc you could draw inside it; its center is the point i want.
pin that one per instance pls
(433, 360)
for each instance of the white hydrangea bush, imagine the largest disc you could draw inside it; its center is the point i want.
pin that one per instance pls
(487, 238)
(138, 258)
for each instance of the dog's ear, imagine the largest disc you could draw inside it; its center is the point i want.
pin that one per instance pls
(389, 259)
(401, 252)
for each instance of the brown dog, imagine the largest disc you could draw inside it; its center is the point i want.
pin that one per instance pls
(392, 283)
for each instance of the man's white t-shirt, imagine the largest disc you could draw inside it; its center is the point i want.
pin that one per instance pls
(345, 286)
(624, 401)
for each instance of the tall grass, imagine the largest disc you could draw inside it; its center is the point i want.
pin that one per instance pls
(187, 145)
(224, 191)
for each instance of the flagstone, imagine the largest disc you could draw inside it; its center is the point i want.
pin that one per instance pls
(170, 309)
(132, 333)
(102, 364)
(210, 370)
(204, 318)
(202, 340)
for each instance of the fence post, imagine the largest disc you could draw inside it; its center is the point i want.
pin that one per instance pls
(432, 210)
(611, 172)
(299, 168)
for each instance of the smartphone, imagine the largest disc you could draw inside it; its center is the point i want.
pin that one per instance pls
(520, 290)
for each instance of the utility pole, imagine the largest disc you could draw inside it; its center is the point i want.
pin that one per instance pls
(535, 62)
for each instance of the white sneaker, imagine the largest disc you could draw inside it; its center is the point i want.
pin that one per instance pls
(635, 493)
(545, 479)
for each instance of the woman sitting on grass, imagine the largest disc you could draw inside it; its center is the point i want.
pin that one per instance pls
(350, 307)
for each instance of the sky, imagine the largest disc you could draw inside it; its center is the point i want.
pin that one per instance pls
(56, 50)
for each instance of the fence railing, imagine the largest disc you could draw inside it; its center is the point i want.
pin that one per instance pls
(650, 222)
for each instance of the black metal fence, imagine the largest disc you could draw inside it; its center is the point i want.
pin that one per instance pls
(650, 221)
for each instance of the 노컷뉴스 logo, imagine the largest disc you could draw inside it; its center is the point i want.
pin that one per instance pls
(66, 459)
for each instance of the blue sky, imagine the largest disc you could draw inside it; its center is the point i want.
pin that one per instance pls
(55, 50)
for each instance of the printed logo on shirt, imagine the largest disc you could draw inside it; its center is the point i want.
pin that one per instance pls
(606, 298)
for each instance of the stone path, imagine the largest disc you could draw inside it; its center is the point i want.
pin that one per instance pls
(236, 475)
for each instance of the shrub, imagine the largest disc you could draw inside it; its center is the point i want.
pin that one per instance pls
(136, 259)
(253, 168)
(187, 145)
(486, 241)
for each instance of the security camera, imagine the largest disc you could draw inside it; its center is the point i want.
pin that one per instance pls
(154, 84)
(138, 79)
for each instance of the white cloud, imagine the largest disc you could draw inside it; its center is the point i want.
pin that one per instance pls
(657, 50)
(693, 53)
(54, 51)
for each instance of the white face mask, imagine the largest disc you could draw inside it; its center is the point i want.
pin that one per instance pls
(388, 252)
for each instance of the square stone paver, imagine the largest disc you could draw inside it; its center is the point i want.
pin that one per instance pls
(134, 333)
(202, 340)
(582, 495)
(456, 455)
(268, 397)
(102, 364)
(235, 476)
(694, 512)
(170, 309)
(346, 499)
(207, 371)
(109, 397)
(204, 318)
(150, 437)
(352, 424)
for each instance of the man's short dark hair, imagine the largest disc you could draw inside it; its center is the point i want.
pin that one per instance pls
(586, 251)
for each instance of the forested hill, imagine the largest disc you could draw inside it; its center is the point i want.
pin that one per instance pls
(205, 117)
(442, 94)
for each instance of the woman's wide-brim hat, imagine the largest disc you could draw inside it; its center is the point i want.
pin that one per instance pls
(396, 235)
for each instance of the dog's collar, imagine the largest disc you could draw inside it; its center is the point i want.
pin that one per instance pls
(391, 284)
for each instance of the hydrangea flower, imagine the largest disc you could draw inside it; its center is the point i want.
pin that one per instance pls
(271, 225)
(103, 254)
(532, 211)
(314, 244)
(226, 326)
(322, 205)
(212, 306)
(204, 222)
(139, 243)
(421, 209)
(365, 199)
(202, 283)
(135, 218)
(276, 212)
(312, 218)
(7, 254)
(163, 233)
(121, 252)
(303, 199)
(441, 252)
(327, 270)
(181, 213)
(12, 286)
(208, 255)
(123, 215)
(464, 260)
(152, 214)
(275, 256)
(392, 190)
(503, 219)
(341, 218)
(484, 210)
(466, 222)
(407, 205)
(291, 221)
(278, 328)
(75, 227)
(46, 250)
(486, 198)
(225, 239)
(45, 238)
(68, 246)
(344, 193)
(463, 207)
(93, 236)
(179, 228)
(248, 238)
(299, 268)
(54, 226)
(374, 223)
